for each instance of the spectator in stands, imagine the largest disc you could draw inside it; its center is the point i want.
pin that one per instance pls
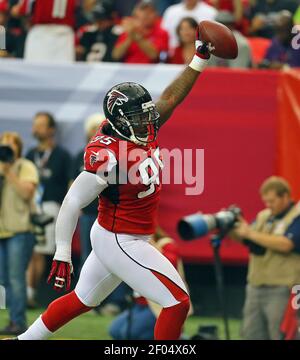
(53, 163)
(274, 265)
(184, 53)
(97, 40)
(51, 38)
(244, 57)
(89, 214)
(233, 6)
(125, 8)
(137, 323)
(196, 9)
(14, 39)
(281, 51)
(162, 5)
(3, 22)
(18, 182)
(85, 12)
(143, 39)
(262, 15)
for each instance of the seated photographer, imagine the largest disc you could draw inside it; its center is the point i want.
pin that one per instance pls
(274, 264)
(137, 323)
(18, 181)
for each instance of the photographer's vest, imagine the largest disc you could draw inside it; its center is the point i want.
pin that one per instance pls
(14, 210)
(274, 268)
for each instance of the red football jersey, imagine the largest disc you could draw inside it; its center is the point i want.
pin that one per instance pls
(130, 202)
(60, 12)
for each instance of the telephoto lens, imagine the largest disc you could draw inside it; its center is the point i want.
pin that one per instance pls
(197, 225)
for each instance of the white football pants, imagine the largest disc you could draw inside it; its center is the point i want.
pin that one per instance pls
(129, 258)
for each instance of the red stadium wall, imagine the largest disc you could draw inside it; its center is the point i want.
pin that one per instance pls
(248, 123)
(234, 117)
(288, 144)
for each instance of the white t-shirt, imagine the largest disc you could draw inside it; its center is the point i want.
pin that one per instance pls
(174, 13)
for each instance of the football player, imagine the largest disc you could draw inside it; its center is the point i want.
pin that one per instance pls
(127, 211)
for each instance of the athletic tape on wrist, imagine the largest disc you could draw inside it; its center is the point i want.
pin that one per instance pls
(198, 64)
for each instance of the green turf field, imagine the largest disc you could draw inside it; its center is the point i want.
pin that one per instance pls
(91, 326)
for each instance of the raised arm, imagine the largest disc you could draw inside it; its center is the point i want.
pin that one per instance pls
(176, 92)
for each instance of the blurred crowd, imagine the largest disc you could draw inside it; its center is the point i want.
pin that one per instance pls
(149, 31)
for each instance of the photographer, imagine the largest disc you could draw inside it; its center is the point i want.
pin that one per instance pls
(274, 265)
(18, 181)
(53, 164)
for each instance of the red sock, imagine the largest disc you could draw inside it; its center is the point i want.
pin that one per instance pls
(171, 319)
(62, 310)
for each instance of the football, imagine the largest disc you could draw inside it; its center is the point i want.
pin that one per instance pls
(221, 37)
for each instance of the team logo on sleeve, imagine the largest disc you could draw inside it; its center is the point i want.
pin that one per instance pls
(115, 97)
(94, 158)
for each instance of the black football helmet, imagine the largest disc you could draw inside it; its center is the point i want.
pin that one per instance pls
(131, 112)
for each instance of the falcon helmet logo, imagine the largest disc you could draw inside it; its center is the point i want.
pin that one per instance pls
(115, 97)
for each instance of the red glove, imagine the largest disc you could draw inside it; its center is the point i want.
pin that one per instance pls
(203, 49)
(61, 272)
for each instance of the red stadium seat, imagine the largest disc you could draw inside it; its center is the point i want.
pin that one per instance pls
(259, 48)
(3, 5)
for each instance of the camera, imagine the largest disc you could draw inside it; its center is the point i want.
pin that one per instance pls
(6, 154)
(196, 225)
(39, 222)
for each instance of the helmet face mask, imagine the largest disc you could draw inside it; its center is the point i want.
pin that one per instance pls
(132, 113)
(144, 125)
